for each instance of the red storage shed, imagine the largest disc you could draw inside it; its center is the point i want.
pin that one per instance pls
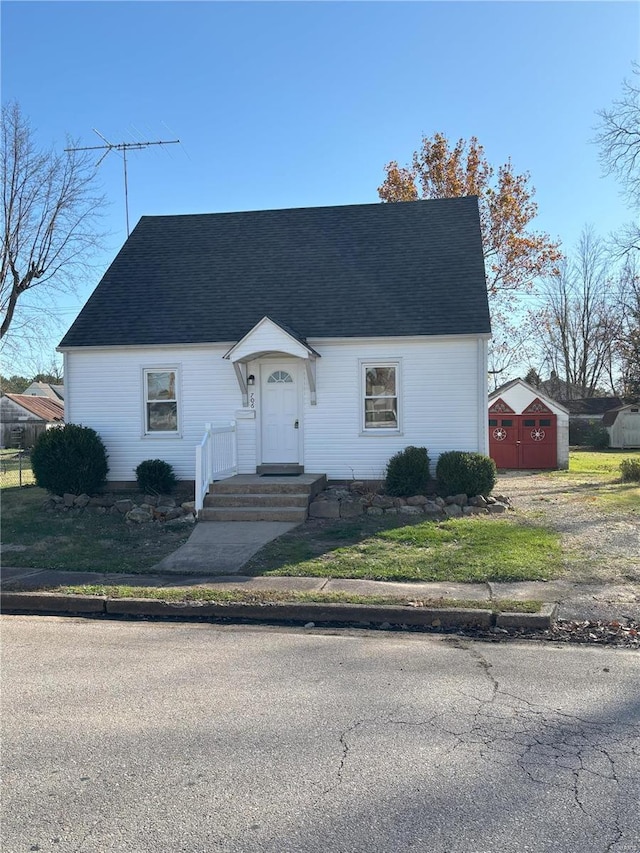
(527, 429)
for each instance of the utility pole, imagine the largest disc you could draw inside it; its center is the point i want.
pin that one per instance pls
(124, 147)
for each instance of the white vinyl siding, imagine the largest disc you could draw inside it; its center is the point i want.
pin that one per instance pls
(106, 395)
(442, 402)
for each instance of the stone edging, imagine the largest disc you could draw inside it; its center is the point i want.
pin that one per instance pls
(342, 502)
(150, 508)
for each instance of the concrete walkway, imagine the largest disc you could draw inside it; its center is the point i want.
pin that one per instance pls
(222, 547)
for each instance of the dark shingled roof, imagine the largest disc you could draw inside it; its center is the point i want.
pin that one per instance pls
(414, 268)
(592, 405)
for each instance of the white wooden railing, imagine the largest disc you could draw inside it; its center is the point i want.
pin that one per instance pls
(216, 458)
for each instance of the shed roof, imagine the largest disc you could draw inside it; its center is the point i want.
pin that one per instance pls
(408, 269)
(43, 407)
(610, 417)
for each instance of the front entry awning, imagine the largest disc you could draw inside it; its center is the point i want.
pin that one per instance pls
(270, 338)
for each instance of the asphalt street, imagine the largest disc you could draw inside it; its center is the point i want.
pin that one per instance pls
(142, 736)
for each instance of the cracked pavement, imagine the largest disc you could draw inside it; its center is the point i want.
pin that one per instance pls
(173, 737)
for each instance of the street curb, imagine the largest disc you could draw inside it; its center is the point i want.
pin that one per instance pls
(50, 602)
(540, 621)
(367, 614)
(446, 618)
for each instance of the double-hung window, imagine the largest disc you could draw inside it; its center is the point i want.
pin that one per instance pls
(161, 401)
(381, 384)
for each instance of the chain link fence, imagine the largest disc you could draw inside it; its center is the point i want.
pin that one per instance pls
(15, 469)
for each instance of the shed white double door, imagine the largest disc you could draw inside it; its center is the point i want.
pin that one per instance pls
(280, 403)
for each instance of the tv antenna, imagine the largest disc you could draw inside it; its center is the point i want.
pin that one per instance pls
(124, 147)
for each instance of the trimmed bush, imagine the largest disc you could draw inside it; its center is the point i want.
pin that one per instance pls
(588, 434)
(156, 477)
(70, 459)
(408, 472)
(630, 470)
(459, 472)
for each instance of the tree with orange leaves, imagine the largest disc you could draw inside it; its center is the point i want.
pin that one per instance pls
(515, 256)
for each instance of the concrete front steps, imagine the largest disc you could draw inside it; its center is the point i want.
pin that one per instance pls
(251, 497)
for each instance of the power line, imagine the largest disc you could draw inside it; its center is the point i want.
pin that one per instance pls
(124, 147)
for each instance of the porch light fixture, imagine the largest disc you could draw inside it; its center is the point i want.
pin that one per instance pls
(251, 379)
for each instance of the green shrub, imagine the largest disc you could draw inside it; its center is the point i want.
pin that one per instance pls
(71, 459)
(460, 472)
(408, 472)
(156, 476)
(630, 470)
(588, 434)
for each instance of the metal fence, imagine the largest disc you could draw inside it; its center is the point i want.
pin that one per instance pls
(15, 469)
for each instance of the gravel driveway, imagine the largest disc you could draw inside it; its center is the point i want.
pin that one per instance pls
(602, 544)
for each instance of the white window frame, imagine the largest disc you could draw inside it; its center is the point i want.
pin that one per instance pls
(367, 364)
(147, 433)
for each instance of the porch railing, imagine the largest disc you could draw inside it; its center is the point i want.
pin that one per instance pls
(216, 458)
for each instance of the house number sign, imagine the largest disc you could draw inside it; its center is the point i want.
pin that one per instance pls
(252, 399)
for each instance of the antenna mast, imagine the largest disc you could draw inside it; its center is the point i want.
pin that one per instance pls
(124, 147)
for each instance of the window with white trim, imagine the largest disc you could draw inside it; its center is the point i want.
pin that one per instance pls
(161, 401)
(381, 386)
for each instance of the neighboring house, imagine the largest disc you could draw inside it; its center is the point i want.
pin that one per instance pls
(24, 417)
(623, 426)
(45, 389)
(558, 389)
(527, 428)
(590, 409)
(319, 339)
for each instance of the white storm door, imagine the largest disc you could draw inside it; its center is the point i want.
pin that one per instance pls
(279, 412)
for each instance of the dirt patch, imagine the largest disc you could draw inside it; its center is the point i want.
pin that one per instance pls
(601, 543)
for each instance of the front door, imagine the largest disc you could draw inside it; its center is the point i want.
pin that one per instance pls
(279, 412)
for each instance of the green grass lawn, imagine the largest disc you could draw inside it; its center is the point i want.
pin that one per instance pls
(601, 470)
(465, 550)
(481, 548)
(269, 596)
(80, 542)
(602, 463)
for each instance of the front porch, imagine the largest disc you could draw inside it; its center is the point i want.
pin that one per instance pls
(261, 497)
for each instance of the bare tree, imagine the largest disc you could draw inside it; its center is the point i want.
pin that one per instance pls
(629, 344)
(619, 140)
(50, 209)
(580, 323)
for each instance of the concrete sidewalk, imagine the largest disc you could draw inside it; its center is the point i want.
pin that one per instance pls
(574, 601)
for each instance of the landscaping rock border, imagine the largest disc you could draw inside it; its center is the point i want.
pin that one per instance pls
(159, 508)
(356, 500)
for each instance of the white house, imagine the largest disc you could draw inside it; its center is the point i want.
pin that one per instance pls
(316, 339)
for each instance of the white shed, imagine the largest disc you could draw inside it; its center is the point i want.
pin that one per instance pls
(623, 426)
(527, 429)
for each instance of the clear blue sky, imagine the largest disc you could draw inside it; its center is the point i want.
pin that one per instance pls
(302, 104)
